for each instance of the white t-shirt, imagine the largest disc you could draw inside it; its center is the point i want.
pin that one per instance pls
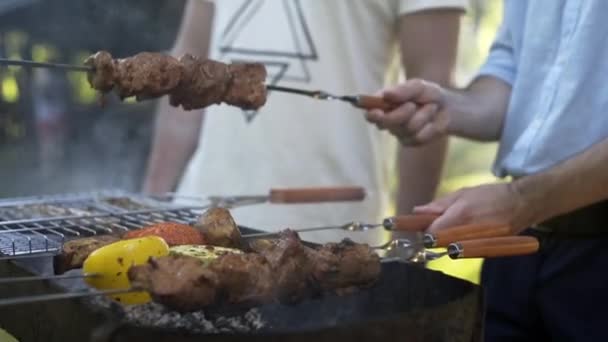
(340, 46)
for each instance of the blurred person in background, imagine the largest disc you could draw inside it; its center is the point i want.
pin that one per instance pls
(541, 94)
(342, 46)
(50, 94)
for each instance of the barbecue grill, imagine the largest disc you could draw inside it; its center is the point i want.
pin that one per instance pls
(408, 301)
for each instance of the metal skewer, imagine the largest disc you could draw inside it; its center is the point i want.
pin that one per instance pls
(359, 101)
(60, 296)
(411, 223)
(479, 248)
(32, 64)
(42, 278)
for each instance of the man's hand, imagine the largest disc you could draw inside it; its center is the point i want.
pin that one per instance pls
(420, 115)
(490, 203)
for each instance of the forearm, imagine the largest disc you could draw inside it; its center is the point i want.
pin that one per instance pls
(176, 132)
(478, 111)
(435, 34)
(420, 170)
(175, 141)
(570, 185)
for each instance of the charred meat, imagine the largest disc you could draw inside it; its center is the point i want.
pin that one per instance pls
(74, 252)
(104, 71)
(246, 88)
(244, 278)
(341, 266)
(147, 75)
(191, 82)
(205, 83)
(179, 282)
(291, 266)
(285, 271)
(219, 228)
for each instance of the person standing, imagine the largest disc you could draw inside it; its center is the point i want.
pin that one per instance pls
(541, 94)
(340, 46)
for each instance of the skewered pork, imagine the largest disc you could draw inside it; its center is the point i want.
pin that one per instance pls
(342, 266)
(179, 282)
(104, 73)
(219, 228)
(284, 271)
(191, 82)
(147, 75)
(291, 264)
(74, 252)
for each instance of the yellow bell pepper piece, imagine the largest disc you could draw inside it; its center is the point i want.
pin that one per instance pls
(112, 262)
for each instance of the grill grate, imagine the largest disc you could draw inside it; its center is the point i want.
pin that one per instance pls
(30, 226)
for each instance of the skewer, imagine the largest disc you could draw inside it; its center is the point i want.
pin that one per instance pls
(60, 296)
(359, 101)
(489, 247)
(32, 64)
(42, 278)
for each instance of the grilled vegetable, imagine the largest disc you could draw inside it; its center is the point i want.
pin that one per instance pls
(204, 253)
(111, 263)
(174, 234)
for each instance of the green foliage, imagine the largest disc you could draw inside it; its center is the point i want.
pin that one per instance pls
(469, 163)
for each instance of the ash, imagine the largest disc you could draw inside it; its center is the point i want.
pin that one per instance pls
(158, 316)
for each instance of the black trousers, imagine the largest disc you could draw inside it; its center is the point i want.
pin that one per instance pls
(558, 294)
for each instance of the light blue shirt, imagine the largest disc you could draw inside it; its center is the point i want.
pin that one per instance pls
(554, 54)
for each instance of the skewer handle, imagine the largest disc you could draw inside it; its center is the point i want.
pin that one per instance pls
(493, 247)
(409, 223)
(373, 102)
(465, 232)
(316, 195)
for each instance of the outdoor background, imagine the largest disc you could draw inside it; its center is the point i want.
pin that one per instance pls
(55, 137)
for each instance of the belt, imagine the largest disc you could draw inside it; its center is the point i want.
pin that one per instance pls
(590, 220)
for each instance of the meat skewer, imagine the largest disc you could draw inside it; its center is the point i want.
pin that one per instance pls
(191, 82)
(335, 267)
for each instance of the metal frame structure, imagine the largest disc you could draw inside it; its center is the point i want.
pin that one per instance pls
(33, 226)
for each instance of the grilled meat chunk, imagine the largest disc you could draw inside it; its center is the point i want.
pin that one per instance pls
(174, 234)
(219, 228)
(244, 278)
(246, 89)
(341, 266)
(291, 266)
(179, 282)
(104, 73)
(74, 252)
(147, 75)
(205, 82)
(208, 82)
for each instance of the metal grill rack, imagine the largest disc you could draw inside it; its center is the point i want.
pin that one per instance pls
(34, 226)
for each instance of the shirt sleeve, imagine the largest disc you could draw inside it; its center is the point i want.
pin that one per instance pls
(411, 6)
(501, 61)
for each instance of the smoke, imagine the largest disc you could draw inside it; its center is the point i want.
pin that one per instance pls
(69, 145)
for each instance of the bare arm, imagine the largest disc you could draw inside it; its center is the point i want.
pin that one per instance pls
(176, 132)
(575, 183)
(426, 112)
(429, 42)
